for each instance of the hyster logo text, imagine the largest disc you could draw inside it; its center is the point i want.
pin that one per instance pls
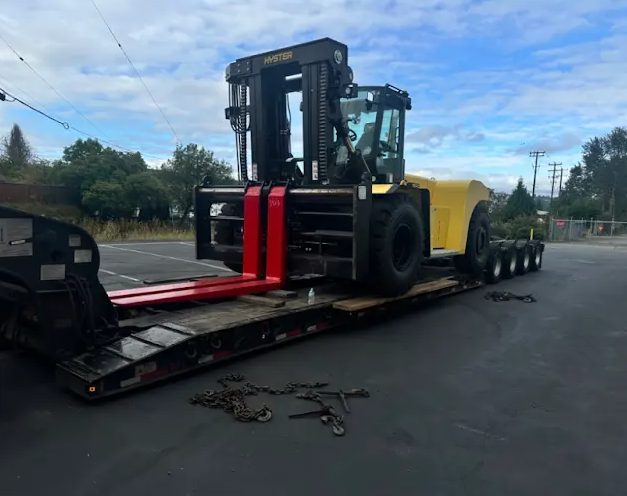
(277, 57)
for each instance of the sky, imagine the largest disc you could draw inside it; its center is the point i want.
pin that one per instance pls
(490, 80)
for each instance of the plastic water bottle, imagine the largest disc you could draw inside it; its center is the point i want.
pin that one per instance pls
(311, 298)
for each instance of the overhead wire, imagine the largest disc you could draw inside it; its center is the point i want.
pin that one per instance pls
(68, 126)
(115, 38)
(25, 93)
(45, 81)
(16, 99)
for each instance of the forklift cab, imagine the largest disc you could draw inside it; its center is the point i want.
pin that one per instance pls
(376, 123)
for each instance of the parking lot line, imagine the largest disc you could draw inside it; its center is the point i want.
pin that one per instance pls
(168, 257)
(119, 275)
(147, 243)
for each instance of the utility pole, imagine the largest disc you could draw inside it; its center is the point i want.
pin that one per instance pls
(535, 170)
(552, 178)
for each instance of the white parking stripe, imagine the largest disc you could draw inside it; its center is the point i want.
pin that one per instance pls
(168, 257)
(119, 275)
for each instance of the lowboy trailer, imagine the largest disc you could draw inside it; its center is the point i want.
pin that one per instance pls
(369, 239)
(101, 348)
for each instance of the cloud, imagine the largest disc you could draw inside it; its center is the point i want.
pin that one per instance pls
(550, 144)
(485, 76)
(430, 137)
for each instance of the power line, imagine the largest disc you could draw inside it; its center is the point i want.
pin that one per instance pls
(25, 93)
(66, 126)
(50, 86)
(135, 69)
(535, 170)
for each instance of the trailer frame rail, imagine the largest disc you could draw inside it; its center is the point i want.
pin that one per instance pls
(168, 348)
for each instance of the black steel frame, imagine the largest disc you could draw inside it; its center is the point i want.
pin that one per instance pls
(181, 350)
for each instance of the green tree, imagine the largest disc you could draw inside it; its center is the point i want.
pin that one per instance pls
(111, 183)
(86, 162)
(16, 154)
(107, 200)
(148, 194)
(187, 168)
(605, 161)
(498, 202)
(597, 186)
(578, 184)
(520, 202)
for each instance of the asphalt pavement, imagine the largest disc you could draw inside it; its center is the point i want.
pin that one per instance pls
(469, 397)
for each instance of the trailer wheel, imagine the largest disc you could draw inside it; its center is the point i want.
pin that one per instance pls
(510, 262)
(524, 259)
(478, 250)
(494, 268)
(396, 245)
(535, 263)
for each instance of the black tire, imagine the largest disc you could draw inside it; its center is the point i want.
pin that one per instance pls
(510, 262)
(396, 245)
(524, 259)
(536, 259)
(475, 259)
(494, 268)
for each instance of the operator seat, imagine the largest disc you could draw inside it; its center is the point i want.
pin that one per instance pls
(365, 143)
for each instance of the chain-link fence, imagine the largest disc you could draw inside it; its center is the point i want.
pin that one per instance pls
(590, 229)
(568, 229)
(609, 229)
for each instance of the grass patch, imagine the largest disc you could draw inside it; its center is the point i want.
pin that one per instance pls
(128, 230)
(122, 230)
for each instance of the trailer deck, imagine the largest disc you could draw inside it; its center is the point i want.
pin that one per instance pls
(163, 344)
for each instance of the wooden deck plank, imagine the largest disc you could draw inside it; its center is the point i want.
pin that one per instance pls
(364, 302)
(262, 300)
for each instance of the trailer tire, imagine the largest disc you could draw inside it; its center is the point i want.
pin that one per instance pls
(494, 267)
(396, 245)
(478, 250)
(510, 262)
(524, 260)
(536, 260)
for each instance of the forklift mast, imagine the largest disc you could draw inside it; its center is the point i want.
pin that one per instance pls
(352, 138)
(259, 88)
